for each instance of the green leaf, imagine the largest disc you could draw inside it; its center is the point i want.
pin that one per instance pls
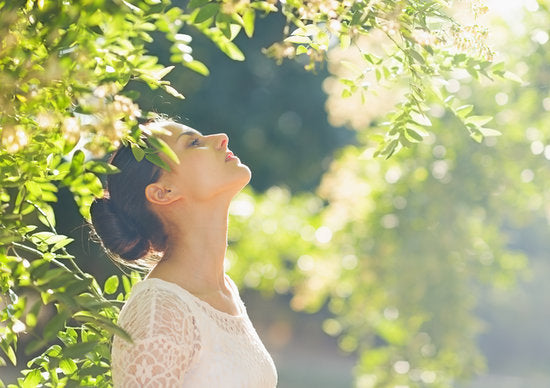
(161, 146)
(230, 49)
(8, 350)
(416, 55)
(47, 215)
(236, 18)
(345, 41)
(413, 136)
(111, 285)
(421, 119)
(68, 366)
(232, 31)
(93, 370)
(91, 302)
(488, 132)
(33, 188)
(80, 349)
(49, 238)
(512, 77)
(206, 12)
(462, 111)
(61, 243)
(43, 237)
(170, 90)
(264, 6)
(35, 345)
(197, 3)
(159, 74)
(53, 351)
(478, 120)
(102, 322)
(198, 67)
(248, 19)
(55, 278)
(76, 286)
(55, 324)
(157, 161)
(100, 167)
(301, 50)
(138, 152)
(476, 134)
(126, 284)
(389, 149)
(298, 39)
(77, 161)
(32, 314)
(32, 379)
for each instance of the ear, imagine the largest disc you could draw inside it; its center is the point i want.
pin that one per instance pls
(160, 195)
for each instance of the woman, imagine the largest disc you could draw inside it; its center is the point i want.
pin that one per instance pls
(188, 324)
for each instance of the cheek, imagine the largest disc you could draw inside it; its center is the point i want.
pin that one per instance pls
(202, 178)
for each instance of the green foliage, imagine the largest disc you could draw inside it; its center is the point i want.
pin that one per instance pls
(398, 249)
(64, 67)
(421, 43)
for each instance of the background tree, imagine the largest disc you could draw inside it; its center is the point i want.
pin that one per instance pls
(429, 235)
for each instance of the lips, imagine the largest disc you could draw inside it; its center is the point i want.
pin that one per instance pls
(229, 155)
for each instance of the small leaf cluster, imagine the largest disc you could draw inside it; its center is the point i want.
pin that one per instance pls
(422, 46)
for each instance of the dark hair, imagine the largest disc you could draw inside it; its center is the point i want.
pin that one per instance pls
(126, 226)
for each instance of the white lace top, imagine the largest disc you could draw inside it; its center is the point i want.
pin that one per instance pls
(180, 340)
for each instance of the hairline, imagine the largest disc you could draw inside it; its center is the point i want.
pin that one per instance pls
(171, 125)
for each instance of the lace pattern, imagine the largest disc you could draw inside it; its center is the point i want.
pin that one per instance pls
(234, 324)
(166, 341)
(180, 340)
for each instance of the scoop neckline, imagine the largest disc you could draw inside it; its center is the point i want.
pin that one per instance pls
(203, 303)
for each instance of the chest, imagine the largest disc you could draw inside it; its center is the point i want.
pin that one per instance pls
(232, 355)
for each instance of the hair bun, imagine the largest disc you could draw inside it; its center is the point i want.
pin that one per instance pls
(117, 233)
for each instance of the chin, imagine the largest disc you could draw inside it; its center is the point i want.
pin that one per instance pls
(238, 181)
(247, 175)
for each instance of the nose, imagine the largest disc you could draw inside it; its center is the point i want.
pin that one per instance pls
(222, 140)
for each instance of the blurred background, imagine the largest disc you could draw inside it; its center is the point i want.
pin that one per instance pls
(440, 251)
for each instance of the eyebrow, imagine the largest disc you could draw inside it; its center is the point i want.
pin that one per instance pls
(189, 133)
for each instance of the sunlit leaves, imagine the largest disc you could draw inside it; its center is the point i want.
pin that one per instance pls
(100, 167)
(32, 379)
(206, 12)
(161, 146)
(7, 348)
(225, 45)
(198, 67)
(248, 21)
(172, 91)
(65, 67)
(48, 241)
(111, 285)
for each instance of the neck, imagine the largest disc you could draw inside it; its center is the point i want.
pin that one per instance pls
(196, 250)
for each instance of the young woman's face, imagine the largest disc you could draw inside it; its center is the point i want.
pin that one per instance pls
(207, 168)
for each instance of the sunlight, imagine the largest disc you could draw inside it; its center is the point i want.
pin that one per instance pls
(508, 9)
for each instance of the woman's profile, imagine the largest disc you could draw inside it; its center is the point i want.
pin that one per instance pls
(188, 324)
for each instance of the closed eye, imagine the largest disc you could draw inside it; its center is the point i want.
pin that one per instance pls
(195, 142)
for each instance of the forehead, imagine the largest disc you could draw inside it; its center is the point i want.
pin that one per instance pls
(175, 130)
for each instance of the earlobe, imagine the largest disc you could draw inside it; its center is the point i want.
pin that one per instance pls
(159, 195)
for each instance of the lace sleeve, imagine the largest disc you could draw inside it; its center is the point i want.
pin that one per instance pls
(166, 341)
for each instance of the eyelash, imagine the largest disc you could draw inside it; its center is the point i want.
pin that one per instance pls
(195, 142)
